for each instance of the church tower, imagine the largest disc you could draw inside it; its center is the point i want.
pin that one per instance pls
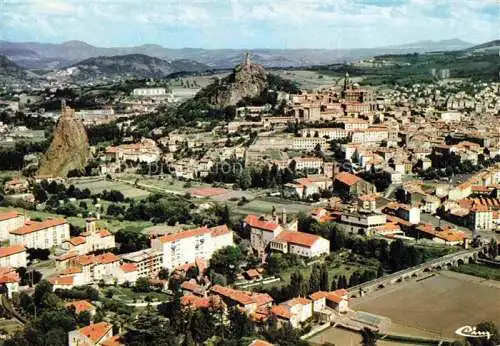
(347, 81)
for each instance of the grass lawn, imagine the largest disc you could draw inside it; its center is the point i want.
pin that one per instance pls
(479, 270)
(112, 225)
(127, 295)
(101, 185)
(258, 206)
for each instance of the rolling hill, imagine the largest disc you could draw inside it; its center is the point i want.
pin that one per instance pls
(10, 69)
(49, 55)
(129, 66)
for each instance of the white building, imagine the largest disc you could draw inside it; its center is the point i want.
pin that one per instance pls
(481, 218)
(13, 256)
(186, 246)
(262, 232)
(149, 92)
(128, 273)
(91, 240)
(41, 235)
(9, 221)
(148, 261)
(94, 334)
(144, 151)
(294, 311)
(300, 243)
(361, 222)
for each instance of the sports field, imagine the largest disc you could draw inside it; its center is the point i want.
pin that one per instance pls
(101, 185)
(438, 305)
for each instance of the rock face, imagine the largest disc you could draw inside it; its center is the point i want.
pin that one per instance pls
(247, 80)
(69, 149)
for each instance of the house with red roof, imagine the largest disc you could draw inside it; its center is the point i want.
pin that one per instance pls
(300, 243)
(128, 272)
(40, 235)
(13, 256)
(93, 239)
(293, 311)
(249, 302)
(9, 279)
(347, 184)
(81, 306)
(262, 231)
(259, 342)
(9, 221)
(93, 334)
(185, 247)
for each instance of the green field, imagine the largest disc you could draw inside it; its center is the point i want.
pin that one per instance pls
(112, 225)
(480, 270)
(101, 185)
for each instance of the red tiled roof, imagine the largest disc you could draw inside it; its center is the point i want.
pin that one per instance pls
(34, 226)
(62, 280)
(259, 342)
(96, 331)
(318, 295)
(81, 305)
(75, 241)
(281, 311)
(298, 238)
(104, 233)
(71, 270)
(11, 250)
(255, 222)
(347, 178)
(9, 215)
(114, 341)
(219, 230)
(128, 267)
(252, 273)
(184, 234)
(67, 255)
(8, 275)
(238, 296)
(106, 258)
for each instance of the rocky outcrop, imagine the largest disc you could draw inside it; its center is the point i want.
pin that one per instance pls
(247, 80)
(69, 149)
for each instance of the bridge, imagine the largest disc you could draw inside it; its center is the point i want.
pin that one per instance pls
(445, 262)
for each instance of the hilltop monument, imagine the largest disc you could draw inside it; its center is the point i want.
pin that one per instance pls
(69, 149)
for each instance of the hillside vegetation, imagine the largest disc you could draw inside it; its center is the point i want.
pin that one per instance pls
(477, 63)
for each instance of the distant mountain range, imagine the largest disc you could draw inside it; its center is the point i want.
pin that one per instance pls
(132, 66)
(49, 56)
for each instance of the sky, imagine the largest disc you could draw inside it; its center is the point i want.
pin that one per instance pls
(249, 23)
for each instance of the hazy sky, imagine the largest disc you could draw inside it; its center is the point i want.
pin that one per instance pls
(249, 23)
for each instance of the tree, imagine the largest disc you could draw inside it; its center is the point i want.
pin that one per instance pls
(245, 179)
(83, 318)
(486, 326)
(41, 290)
(150, 329)
(163, 274)
(142, 285)
(240, 325)
(324, 280)
(397, 254)
(298, 286)
(226, 261)
(333, 286)
(314, 280)
(369, 337)
(39, 193)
